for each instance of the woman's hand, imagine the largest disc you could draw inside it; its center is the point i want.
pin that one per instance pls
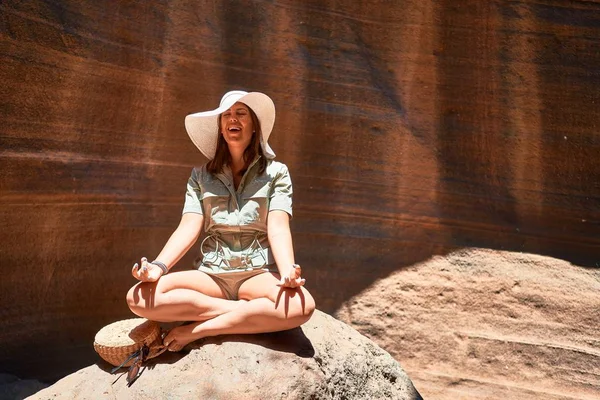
(293, 278)
(148, 272)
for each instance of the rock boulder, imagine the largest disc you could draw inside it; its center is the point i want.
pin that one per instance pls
(324, 359)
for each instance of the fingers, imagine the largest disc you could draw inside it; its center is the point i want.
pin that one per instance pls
(147, 272)
(294, 279)
(134, 271)
(144, 269)
(291, 283)
(298, 282)
(297, 270)
(285, 281)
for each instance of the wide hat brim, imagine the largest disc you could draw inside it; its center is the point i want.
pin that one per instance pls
(203, 127)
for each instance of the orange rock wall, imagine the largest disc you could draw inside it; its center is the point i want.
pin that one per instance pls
(410, 128)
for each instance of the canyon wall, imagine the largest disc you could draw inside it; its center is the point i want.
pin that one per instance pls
(411, 129)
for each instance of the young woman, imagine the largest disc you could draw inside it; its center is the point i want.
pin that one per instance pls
(247, 280)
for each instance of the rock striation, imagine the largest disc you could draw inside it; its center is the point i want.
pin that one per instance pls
(324, 359)
(486, 324)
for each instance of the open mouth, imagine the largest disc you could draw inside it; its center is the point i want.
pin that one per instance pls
(234, 129)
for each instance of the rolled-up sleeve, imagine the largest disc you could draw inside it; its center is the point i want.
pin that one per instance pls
(193, 202)
(281, 195)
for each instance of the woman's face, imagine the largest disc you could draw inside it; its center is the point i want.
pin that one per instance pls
(236, 126)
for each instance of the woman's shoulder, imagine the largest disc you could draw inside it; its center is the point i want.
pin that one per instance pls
(276, 167)
(199, 171)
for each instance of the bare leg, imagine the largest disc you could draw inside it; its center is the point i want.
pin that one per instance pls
(269, 309)
(179, 296)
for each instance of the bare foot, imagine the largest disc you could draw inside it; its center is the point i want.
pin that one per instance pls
(179, 337)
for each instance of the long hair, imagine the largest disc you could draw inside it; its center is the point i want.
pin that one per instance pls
(223, 157)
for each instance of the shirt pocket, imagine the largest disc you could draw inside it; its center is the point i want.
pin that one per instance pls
(256, 202)
(216, 204)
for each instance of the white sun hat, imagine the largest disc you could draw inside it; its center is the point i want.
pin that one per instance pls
(203, 127)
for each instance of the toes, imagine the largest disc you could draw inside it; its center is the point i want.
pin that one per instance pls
(175, 347)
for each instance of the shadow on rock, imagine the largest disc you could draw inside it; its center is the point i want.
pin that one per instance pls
(291, 341)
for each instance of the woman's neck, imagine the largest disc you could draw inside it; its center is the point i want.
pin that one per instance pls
(237, 161)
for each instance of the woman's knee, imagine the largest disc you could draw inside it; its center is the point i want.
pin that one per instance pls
(301, 305)
(131, 296)
(141, 295)
(310, 305)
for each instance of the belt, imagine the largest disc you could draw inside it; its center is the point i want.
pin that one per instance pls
(226, 259)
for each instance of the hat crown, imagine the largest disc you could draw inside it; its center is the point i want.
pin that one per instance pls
(231, 98)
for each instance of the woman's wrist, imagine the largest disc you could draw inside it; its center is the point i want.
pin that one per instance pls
(285, 271)
(161, 265)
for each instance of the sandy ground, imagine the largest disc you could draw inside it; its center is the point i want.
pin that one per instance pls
(486, 324)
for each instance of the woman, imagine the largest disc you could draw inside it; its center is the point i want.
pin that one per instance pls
(247, 280)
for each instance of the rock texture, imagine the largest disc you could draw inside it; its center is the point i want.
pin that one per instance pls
(411, 128)
(483, 324)
(324, 359)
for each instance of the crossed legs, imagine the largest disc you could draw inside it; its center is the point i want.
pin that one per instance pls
(194, 296)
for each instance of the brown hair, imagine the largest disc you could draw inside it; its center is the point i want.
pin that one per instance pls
(223, 157)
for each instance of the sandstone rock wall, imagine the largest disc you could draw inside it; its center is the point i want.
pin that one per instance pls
(411, 128)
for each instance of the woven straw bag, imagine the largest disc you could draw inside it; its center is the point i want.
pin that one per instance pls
(118, 341)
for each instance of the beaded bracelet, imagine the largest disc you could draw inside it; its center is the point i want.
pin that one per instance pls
(161, 265)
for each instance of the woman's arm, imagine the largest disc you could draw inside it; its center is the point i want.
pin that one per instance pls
(182, 239)
(178, 244)
(280, 240)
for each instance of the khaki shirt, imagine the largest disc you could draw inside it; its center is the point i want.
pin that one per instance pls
(235, 221)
